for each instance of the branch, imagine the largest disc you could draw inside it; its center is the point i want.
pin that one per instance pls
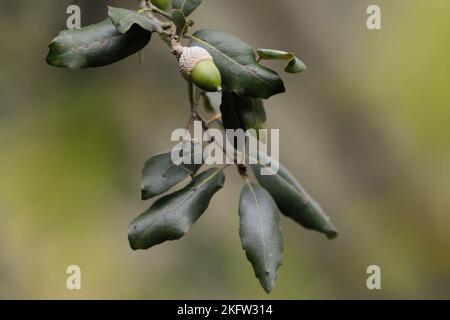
(155, 9)
(193, 107)
(213, 119)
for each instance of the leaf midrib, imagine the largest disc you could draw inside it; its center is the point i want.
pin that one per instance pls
(261, 227)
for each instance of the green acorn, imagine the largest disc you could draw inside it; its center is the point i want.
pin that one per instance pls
(161, 4)
(197, 65)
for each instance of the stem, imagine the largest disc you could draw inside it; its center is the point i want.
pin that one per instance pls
(213, 119)
(243, 171)
(216, 116)
(193, 107)
(192, 102)
(149, 8)
(155, 9)
(167, 39)
(206, 128)
(194, 97)
(166, 25)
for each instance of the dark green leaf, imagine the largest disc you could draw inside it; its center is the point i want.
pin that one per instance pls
(171, 217)
(241, 112)
(294, 65)
(260, 233)
(252, 113)
(293, 200)
(97, 45)
(124, 19)
(237, 63)
(230, 112)
(180, 22)
(160, 174)
(186, 6)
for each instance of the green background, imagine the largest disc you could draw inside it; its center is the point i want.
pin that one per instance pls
(365, 129)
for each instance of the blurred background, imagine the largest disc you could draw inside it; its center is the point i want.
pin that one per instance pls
(365, 129)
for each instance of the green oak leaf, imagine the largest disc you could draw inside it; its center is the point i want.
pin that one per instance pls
(295, 65)
(241, 112)
(171, 217)
(96, 45)
(260, 233)
(160, 174)
(124, 19)
(179, 21)
(186, 6)
(292, 199)
(236, 60)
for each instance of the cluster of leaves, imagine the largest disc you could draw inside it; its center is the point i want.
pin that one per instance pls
(246, 84)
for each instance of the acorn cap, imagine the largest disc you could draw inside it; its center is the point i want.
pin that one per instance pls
(197, 65)
(189, 57)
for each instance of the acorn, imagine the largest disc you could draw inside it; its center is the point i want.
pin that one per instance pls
(197, 65)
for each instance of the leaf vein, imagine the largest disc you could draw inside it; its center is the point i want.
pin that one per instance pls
(261, 225)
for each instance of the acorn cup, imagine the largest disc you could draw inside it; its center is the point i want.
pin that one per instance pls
(197, 65)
